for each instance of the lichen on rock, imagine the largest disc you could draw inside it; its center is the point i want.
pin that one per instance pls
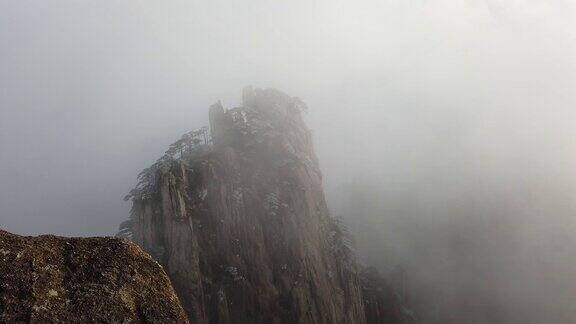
(50, 279)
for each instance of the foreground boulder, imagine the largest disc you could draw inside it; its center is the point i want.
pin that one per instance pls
(79, 280)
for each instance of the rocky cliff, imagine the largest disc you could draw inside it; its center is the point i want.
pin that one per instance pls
(49, 279)
(238, 218)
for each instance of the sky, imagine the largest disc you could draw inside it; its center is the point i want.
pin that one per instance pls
(92, 92)
(461, 109)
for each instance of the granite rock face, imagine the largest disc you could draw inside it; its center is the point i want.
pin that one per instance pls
(49, 279)
(240, 221)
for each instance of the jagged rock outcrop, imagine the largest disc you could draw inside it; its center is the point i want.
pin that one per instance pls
(49, 279)
(241, 224)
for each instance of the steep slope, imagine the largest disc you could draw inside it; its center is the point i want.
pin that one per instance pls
(240, 222)
(382, 305)
(49, 279)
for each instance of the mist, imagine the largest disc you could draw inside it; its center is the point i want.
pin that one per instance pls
(444, 129)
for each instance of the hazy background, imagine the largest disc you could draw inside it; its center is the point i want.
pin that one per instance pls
(445, 129)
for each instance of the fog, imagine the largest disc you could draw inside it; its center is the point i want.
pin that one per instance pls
(444, 129)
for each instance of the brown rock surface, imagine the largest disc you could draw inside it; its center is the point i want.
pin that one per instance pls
(78, 280)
